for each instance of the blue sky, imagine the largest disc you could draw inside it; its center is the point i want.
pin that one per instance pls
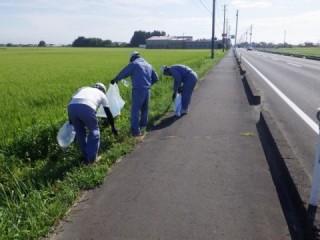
(62, 21)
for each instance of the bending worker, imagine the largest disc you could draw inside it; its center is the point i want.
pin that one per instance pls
(82, 114)
(143, 76)
(185, 80)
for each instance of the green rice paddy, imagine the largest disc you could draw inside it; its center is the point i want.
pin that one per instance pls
(38, 181)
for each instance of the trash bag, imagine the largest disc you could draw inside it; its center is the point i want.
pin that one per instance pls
(125, 83)
(177, 105)
(116, 102)
(66, 135)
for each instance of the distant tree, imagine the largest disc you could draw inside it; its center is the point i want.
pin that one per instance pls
(91, 42)
(107, 43)
(218, 44)
(140, 37)
(42, 43)
(308, 44)
(263, 44)
(79, 42)
(228, 43)
(271, 45)
(158, 33)
(94, 42)
(287, 45)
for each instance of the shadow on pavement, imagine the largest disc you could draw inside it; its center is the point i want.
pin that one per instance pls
(164, 123)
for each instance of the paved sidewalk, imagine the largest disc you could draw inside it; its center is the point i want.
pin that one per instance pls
(203, 176)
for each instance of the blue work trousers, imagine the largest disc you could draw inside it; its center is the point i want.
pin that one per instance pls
(84, 119)
(139, 109)
(187, 90)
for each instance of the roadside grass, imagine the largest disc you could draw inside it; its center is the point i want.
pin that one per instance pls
(38, 181)
(306, 51)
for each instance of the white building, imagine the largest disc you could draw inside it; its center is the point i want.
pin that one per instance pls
(177, 42)
(167, 42)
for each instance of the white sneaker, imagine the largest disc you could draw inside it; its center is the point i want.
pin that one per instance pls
(98, 158)
(139, 138)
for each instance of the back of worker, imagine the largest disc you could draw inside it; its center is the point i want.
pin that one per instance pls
(143, 76)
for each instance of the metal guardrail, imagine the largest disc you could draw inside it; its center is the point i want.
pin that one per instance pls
(309, 216)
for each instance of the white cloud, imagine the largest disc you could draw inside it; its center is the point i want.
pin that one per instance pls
(249, 4)
(299, 28)
(62, 21)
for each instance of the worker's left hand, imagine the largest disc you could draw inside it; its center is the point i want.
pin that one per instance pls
(180, 90)
(174, 96)
(115, 131)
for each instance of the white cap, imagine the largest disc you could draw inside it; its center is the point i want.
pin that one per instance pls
(100, 86)
(134, 53)
(162, 69)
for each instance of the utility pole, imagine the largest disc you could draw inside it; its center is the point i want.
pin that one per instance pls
(227, 28)
(183, 45)
(213, 22)
(228, 37)
(250, 33)
(224, 29)
(284, 40)
(235, 37)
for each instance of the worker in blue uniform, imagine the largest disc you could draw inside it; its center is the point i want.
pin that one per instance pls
(82, 114)
(143, 76)
(185, 80)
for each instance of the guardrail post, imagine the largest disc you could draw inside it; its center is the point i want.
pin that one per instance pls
(315, 190)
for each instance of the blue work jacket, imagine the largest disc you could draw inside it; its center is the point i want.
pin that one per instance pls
(180, 74)
(142, 74)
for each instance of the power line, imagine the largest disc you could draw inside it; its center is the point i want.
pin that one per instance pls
(205, 6)
(219, 17)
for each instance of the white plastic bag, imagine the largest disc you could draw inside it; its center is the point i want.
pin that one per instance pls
(125, 83)
(66, 135)
(177, 105)
(116, 102)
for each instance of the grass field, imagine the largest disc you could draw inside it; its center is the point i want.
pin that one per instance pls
(306, 51)
(38, 181)
(37, 83)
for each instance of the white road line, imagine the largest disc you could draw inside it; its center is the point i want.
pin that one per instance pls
(293, 106)
(293, 64)
(276, 59)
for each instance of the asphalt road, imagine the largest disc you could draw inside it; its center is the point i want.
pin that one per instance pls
(298, 79)
(203, 176)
